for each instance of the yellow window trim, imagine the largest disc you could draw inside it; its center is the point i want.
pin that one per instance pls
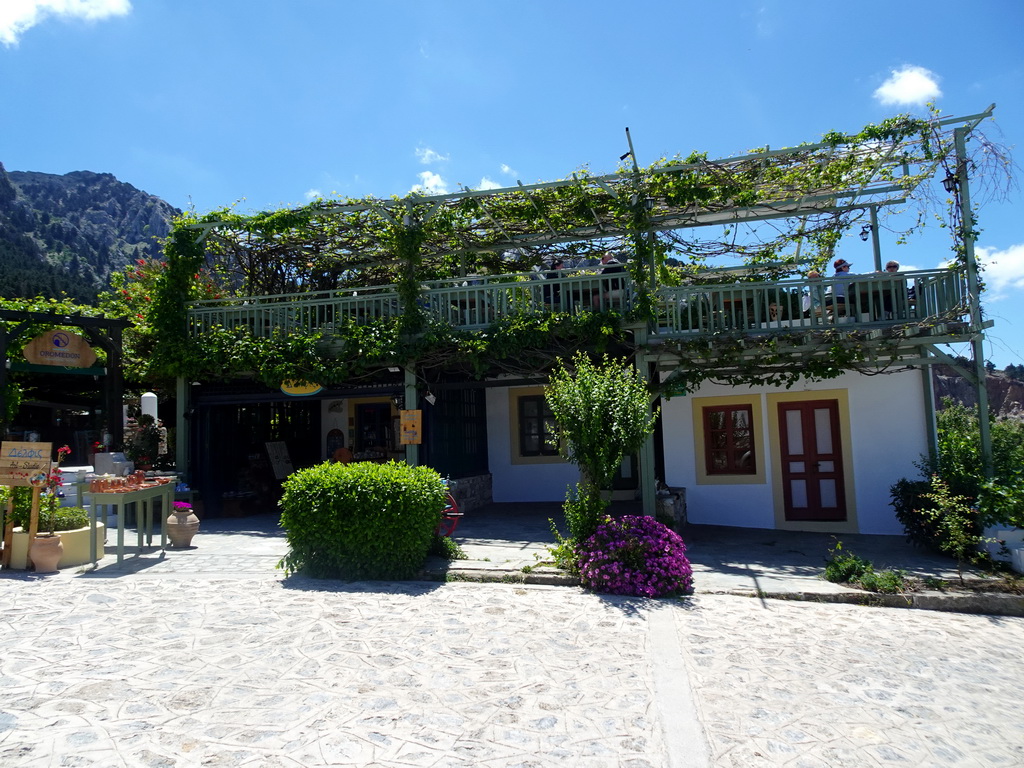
(697, 405)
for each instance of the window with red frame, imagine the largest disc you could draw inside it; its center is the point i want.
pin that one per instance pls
(729, 440)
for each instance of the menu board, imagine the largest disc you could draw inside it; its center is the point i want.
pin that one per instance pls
(24, 463)
(280, 460)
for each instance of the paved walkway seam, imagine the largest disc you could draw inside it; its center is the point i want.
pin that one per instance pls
(685, 741)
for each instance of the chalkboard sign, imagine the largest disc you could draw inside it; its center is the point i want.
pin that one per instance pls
(280, 460)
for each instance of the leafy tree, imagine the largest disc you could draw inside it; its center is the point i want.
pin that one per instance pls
(131, 296)
(602, 413)
(959, 467)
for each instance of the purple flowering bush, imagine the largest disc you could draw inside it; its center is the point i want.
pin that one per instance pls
(635, 555)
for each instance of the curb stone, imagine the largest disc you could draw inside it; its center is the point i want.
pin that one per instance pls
(987, 604)
(992, 604)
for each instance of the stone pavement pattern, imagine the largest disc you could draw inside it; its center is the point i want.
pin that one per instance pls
(180, 671)
(166, 672)
(816, 686)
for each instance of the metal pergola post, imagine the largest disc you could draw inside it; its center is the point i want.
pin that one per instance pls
(974, 295)
(876, 245)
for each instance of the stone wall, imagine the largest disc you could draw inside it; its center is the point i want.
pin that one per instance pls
(471, 492)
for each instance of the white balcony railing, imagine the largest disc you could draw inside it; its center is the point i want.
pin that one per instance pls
(705, 308)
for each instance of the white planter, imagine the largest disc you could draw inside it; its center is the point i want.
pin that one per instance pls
(76, 547)
(1014, 537)
(1017, 559)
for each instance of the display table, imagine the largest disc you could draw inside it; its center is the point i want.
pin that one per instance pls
(144, 496)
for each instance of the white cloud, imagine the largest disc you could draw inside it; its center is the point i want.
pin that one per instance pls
(486, 183)
(431, 184)
(18, 16)
(1004, 271)
(428, 156)
(313, 194)
(910, 85)
(507, 170)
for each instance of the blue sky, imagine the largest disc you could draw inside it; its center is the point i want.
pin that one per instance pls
(209, 103)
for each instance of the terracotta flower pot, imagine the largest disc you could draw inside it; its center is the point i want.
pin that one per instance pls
(45, 552)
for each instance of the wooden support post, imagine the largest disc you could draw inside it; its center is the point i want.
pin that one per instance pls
(8, 533)
(33, 524)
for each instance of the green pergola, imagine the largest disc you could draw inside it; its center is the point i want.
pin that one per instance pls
(809, 193)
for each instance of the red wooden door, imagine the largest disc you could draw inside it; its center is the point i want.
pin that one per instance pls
(812, 461)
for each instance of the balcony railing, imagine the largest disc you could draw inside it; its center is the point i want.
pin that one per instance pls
(478, 301)
(261, 315)
(694, 309)
(471, 303)
(812, 303)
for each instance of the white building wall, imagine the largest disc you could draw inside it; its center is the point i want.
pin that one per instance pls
(887, 435)
(520, 482)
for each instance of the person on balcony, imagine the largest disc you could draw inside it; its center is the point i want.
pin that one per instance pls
(837, 294)
(612, 287)
(553, 292)
(895, 289)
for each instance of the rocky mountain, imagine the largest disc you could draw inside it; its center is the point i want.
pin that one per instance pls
(1005, 394)
(68, 233)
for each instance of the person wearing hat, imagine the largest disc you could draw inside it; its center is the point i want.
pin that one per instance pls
(836, 294)
(894, 290)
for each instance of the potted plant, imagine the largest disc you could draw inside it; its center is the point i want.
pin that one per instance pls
(181, 524)
(71, 528)
(46, 549)
(143, 445)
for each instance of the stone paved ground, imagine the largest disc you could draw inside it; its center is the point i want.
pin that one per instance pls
(186, 659)
(258, 672)
(809, 685)
(167, 672)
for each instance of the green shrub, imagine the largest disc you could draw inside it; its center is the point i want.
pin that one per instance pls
(960, 466)
(602, 412)
(583, 512)
(361, 520)
(848, 568)
(958, 525)
(888, 581)
(998, 501)
(844, 567)
(446, 547)
(61, 518)
(916, 512)
(1001, 500)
